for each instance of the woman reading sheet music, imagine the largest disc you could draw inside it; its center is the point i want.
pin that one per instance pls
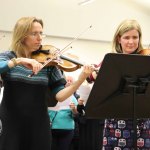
(119, 133)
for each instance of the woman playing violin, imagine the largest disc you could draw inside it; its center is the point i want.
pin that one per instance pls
(119, 133)
(24, 121)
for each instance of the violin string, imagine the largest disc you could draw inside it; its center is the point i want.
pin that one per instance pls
(55, 54)
(49, 60)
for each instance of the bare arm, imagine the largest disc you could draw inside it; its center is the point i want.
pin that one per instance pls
(68, 91)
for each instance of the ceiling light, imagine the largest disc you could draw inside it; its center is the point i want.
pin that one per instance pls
(85, 2)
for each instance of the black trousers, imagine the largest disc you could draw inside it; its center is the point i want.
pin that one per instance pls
(61, 139)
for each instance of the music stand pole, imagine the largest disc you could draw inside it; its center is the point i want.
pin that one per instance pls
(134, 119)
(134, 88)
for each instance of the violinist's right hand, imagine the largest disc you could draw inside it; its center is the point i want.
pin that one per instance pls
(94, 74)
(32, 64)
(92, 77)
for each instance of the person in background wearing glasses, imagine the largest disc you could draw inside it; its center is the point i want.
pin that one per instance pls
(24, 120)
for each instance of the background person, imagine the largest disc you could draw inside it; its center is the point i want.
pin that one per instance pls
(62, 120)
(127, 40)
(119, 133)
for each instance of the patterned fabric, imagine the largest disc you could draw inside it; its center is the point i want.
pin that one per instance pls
(119, 134)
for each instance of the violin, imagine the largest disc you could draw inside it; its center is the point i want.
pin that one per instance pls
(49, 55)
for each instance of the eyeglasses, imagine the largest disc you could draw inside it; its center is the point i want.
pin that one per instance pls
(36, 34)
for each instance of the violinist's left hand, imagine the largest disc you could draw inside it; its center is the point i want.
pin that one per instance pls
(87, 70)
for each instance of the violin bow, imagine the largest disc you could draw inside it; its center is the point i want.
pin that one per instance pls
(63, 50)
(74, 39)
(67, 46)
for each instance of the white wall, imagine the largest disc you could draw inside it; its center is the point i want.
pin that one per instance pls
(65, 18)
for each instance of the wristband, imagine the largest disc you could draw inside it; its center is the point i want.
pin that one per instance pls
(14, 61)
(91, 77)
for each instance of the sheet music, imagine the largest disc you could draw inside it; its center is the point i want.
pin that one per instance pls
(84, 92)
(1, 93)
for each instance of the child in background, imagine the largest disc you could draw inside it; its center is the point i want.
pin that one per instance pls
(62, 121)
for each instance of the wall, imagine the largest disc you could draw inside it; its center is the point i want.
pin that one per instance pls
(65, 18)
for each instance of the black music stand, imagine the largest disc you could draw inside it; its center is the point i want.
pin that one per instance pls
(122, 89)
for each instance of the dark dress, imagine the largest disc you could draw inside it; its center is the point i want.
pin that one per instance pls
(90, 132)
(24, 117)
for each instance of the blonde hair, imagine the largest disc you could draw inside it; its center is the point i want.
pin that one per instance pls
(21, 29)
(126, 26)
